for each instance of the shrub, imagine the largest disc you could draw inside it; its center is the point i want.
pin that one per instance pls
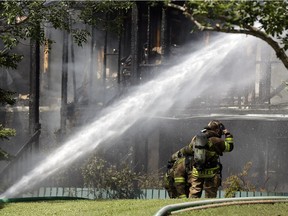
(238, 182)
(116, 182)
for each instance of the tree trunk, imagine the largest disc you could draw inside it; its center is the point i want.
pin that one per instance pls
(135, 75)
(63, 111)
(34, 124)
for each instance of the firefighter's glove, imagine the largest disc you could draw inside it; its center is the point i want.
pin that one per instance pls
(170, 164)
(180, 154)
(227, 133)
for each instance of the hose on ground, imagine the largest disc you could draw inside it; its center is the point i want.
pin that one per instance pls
(202, 204)
(36, 199)
(229, 204)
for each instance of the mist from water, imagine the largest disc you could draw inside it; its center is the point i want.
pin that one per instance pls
(192, 76)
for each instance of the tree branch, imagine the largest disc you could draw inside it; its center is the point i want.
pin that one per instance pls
(178, 7)
(248, 30)
(7, 28)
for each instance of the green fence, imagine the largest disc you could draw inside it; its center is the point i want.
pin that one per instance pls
(92, 193)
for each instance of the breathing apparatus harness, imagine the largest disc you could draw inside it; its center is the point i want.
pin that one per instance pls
(201, 145)
(199, 148)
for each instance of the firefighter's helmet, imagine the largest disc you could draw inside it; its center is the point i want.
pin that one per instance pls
(216, 126)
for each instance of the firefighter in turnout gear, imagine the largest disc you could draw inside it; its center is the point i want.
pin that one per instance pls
(169, 181)
(175, 178)
(206, 149)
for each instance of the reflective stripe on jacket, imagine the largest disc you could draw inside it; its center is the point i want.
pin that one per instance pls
(206, 173)
(179, 180)
(182, 196)
(229, 144)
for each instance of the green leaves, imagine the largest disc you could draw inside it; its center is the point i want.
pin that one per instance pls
(9, 60)
(239, 182)
(21, 20)
(80, 36)
(106, 15)
(267, 20)
(100, 174)
(5, 133)
(270, 16)
(6, 97)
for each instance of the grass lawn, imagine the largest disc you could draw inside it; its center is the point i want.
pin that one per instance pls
(130, 208)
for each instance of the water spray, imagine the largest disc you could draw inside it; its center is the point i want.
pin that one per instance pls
(154, 98)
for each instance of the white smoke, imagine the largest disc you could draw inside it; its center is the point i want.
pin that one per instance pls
(187, 80)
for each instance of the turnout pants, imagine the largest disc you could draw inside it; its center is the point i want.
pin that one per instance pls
(210, 185)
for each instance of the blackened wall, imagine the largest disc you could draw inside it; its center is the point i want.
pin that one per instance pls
(264, 143)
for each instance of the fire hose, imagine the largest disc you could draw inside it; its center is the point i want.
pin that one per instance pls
(35, 199)
(212, 203)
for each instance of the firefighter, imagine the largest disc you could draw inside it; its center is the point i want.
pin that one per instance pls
(176, 177)
(206, 148)
(181, 171)
(169, 181)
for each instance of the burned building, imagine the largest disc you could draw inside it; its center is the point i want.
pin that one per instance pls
(78, 86)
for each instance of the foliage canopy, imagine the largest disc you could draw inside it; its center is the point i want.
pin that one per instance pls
(27, 20)
(267, 20)
(22, 20)
(6, 97)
